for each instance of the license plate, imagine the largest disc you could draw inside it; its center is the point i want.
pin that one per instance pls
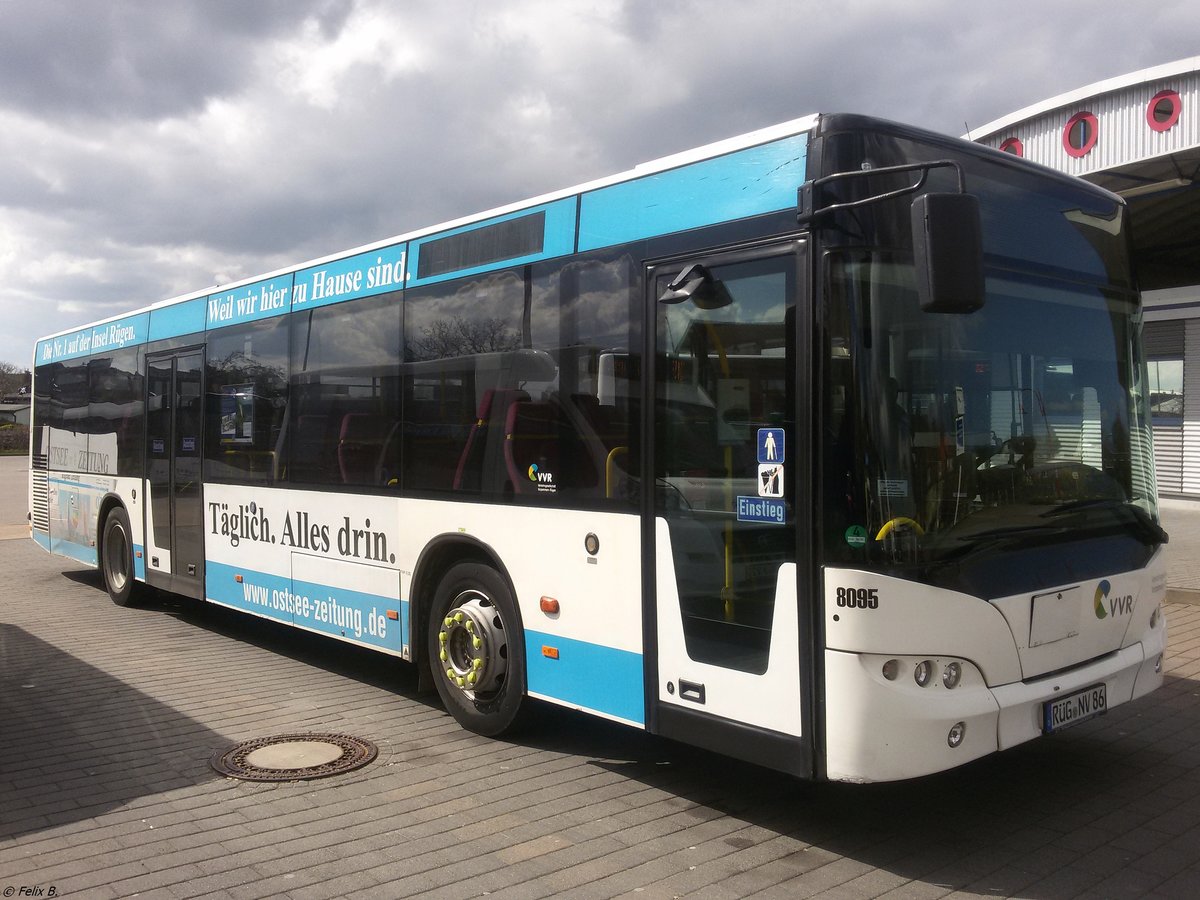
(1074, 708)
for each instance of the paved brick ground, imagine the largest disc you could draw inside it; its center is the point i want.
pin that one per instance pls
(1181, 519)
(108, 719)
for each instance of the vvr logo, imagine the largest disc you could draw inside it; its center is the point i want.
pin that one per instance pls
(1117, 606)
(542, 477)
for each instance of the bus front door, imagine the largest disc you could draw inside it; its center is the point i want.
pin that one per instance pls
(726, 457)
(174, 434)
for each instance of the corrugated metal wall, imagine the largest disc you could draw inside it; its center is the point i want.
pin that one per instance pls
(1123, 135)
(1168, 458)
(1168, 340)
(1191, 413)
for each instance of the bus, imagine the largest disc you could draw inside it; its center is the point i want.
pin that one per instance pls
(826, 447)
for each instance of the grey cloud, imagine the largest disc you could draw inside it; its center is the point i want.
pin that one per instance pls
(161, 139)
(99, 59)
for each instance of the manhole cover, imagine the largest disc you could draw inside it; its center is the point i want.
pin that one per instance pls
(294, 757)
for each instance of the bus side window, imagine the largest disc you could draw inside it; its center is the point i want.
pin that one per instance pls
(544, 451)
(360, 441)
(247, 397)
(345, 392)
(587, 316)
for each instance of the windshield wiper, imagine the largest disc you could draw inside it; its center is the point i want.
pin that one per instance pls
(990, 538)
(1123, 509)
(1071, 506)
(1013, 531)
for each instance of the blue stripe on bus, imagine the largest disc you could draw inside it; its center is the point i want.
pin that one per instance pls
(558, 239)
(179, 319)
(79, 485)
(375, 272)
(95, 339)
(339, 612)
(250, 302)
(87, 554)
(587, 675)
(77, 552)
(746, 183)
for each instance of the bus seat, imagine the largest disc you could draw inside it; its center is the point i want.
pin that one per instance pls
(494, 406)
(387, 468)
(531, 439)
(308, 445)
(359, 442)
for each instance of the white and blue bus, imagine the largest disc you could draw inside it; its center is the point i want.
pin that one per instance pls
(825, 447)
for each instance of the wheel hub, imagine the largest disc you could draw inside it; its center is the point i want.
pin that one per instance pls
(115, 554)
(473, 647)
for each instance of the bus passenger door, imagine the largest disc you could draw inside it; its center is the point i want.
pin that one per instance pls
(727, 458)
(174, 432)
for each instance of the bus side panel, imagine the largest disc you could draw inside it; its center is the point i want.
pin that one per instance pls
(342, 565)
(326, 563)
(73, 503)
(587, 656)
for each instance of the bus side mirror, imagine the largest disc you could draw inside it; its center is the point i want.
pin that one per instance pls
(697, 283)
(948, 252)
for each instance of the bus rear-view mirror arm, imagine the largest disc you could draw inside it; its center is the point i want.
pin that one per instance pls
(946, 228)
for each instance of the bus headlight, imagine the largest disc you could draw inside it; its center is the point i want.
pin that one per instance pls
(958, 731)
(923, 672)
(952, 675)
(928, 672)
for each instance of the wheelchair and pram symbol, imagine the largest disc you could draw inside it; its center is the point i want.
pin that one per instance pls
(771, 457)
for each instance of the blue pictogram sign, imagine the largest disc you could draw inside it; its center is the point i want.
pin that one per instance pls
(770, 446)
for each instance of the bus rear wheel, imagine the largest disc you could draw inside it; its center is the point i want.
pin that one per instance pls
(476, 649)
(116, 558)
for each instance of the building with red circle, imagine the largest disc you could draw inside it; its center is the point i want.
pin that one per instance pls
(1139, 136)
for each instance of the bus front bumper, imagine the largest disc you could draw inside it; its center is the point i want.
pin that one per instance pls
(887, 729)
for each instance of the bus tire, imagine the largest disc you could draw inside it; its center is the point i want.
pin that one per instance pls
(476, 649)
(116, 557)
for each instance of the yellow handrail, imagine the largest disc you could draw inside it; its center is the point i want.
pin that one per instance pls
(890, 525)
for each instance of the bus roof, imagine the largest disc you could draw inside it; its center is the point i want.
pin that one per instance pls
(764, 136)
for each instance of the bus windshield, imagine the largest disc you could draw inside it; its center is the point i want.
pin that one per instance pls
(956, 441)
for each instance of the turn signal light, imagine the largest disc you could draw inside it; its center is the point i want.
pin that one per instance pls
(923, 672)
(549, 606)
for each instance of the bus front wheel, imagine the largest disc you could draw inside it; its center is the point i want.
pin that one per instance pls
(116, 557)
(475, 649)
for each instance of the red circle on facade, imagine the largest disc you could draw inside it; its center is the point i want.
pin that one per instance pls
(1012, 145)
(1080, 133)
(1163, 110)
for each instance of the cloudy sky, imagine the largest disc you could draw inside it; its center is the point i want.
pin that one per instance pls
(154, 147)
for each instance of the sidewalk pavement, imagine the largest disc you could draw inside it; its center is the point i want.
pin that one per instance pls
(1181, 519)
(109, 717)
